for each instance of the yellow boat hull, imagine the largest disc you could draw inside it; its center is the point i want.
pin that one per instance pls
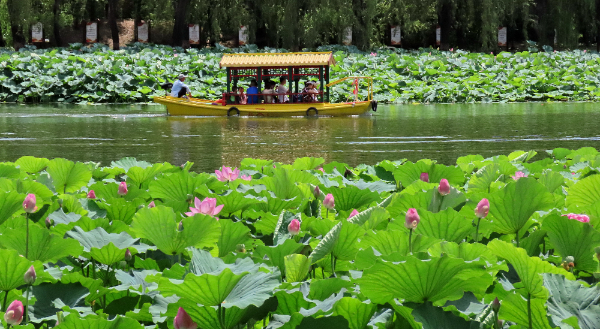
(202, 107)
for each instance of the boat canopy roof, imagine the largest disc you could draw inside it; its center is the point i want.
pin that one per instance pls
(277, 60)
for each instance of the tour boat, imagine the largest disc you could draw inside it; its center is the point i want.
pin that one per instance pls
(296, 68)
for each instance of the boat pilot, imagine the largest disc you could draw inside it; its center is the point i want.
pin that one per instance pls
(180, 89)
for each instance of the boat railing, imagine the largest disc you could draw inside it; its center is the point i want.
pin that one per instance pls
(296, 98)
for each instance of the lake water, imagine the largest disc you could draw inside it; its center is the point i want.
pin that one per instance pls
(441, 132)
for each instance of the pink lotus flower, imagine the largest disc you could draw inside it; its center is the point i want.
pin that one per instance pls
(30, 275)
(412, 218)
(246, 177)
(128, 255)
(329, 202)
(174, 55)
(444, 187)
(29, 203)
(424, 177)
(294, 227)
(14, 313)
(321, 170)
(151, 205)
(226, 174)
(483, 207)
(451, 49)
(518, 175)
(353, 213)
(183, 320)
(91, 194)
(579, 217)
(373, 54)
(208, 207)
(585, 51)
(122, 188)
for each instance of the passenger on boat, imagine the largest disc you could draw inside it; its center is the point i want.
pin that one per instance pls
(268, 92)
(180, 89)
(308, 93)
(242, 97)
(281, 90)
(252, 91)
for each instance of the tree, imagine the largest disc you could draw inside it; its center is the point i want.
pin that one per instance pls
(181, 8)
(112, 22)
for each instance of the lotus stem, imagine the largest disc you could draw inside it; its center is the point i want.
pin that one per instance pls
(410, 240)
(25, 312)
(529, 311)
(517, 238)
(441, 202)
(26, 234)
(477, 230)
(327, 216)
(5, 299)
(94, 268)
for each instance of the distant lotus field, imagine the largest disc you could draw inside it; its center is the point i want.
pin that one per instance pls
(96, 74)
(510, 241)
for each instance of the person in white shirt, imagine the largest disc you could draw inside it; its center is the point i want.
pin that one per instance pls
(179, 88)
(268, 91)
(282, 89)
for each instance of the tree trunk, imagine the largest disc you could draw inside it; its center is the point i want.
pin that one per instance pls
(2, 44)
(598, 25)
(56, 12)
(180, 16)
(112, 21)
(445, 20)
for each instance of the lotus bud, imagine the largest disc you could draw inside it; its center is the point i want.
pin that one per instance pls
(128, 256)
(424, 177)
(319, 169)
(240, 248)
(60, 317)
(412, 219)
(122, 188)
(151, 205)
(496, 305)
(14, 313)
(30, 275)
(29, 203)
(294, 227)
(444, 187)
(48, 222)
(91, 194)
(183, 320)
(317, 192)
(181, 225)
(329, 202)
(483, 207)
(353, 213)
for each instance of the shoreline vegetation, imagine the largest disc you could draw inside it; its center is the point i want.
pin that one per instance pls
(96, 74)
(506, 241)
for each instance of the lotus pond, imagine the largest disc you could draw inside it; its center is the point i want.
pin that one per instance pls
(97, 74)
(500, 242)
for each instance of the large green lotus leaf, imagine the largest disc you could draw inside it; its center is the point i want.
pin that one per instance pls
(513, 205)
(409, 172)
(40, 190)
(282, 184)
(206, 289)
(432, 317)
(10, 203)
(253, 289)
(235, 201)
(12, 268)
(289, 302)
(159, 225)
(571, 298)
(282, 233)
(521, 156)
(135, 281)
(207, 317)
(327, 244)
(176, 187)
(396, 241)
(351, 197)
(321, 289)
(50, 298)
(482, 180)
(73, 322)
(586, 192)
(307, 163)
(98, 238)
(258, 164)
(296, 267)
(346, 245)
(400, 203)
(533, 241)
(528, 268)
(452, 200)
(276, 254)
(32, 165)
(68, 176)
(129, 162)
(9, 170)
(573, 238)
(139, 176)
(232, 234)
(110, 192)
(465, 251)
(370, 218)
(552, 180)
(514, 308)
(447, 225)
(356, 312)
(415, 280)
(276, 205)
(43, 246)
(203, 262)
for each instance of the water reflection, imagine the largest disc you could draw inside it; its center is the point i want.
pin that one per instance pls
(441, 132)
